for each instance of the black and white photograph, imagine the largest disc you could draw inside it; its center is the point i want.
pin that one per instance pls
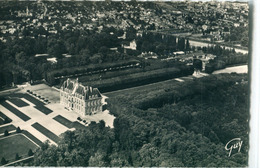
(125, 83)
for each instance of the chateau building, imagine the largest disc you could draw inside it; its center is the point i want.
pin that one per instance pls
(84, 100)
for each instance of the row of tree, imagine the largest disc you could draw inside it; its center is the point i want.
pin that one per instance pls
(225, 57)
(17, 157)
(161, 44)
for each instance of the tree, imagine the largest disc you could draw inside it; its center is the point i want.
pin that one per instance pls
(102, 124)
(96, 58)
(97, 160)
(197, 64)
(6, 133)
(181, 44)
(17, 157)
(3, 161)
(20, 57)
(50, 79)
(56, 48)
(18, 130)
(149, 154)
(160, 48)
(30, 152)
(187, 48)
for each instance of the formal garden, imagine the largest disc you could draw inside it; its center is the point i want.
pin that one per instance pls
(20, 147)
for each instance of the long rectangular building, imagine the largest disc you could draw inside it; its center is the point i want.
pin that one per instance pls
(84, 100)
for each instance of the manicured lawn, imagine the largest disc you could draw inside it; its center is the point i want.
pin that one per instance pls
(8, 128)
(33, 138)
(3, 116)
(46, 132)
(30, 98)
(43, 109)
(1, 121)
(68, 123)
(15, 111)
(15, 144)
(77, 125)
(64, 121)
(18, 102)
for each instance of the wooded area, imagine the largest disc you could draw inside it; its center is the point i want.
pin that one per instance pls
(192, 131)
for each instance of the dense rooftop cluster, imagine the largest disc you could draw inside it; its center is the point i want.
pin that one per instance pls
(52, 17)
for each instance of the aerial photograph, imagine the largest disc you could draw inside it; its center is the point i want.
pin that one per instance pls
(124, 83)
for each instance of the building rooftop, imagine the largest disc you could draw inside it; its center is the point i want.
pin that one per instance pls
(74, 86)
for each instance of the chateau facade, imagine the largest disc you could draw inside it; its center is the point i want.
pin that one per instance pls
(84, 100)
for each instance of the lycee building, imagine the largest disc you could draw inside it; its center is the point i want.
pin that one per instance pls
(84, 100)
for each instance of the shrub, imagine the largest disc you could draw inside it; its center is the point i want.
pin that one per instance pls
(102, 124)
(18, 130)
(6, 133)
(79, 119)
(30, 152)
(3, 161)
(17, 157)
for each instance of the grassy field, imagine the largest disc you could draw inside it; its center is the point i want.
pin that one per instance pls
(15, 144)
(138, 79)
(68, 123)
(15, 111)
(43, 109)
(46, 132)
(18, 102)
(8, 128)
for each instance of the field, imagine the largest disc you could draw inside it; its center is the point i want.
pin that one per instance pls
(15, 111)
(46, 132)
(138, 79)
(15, 144)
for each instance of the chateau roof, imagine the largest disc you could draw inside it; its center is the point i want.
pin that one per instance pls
(73, 86)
